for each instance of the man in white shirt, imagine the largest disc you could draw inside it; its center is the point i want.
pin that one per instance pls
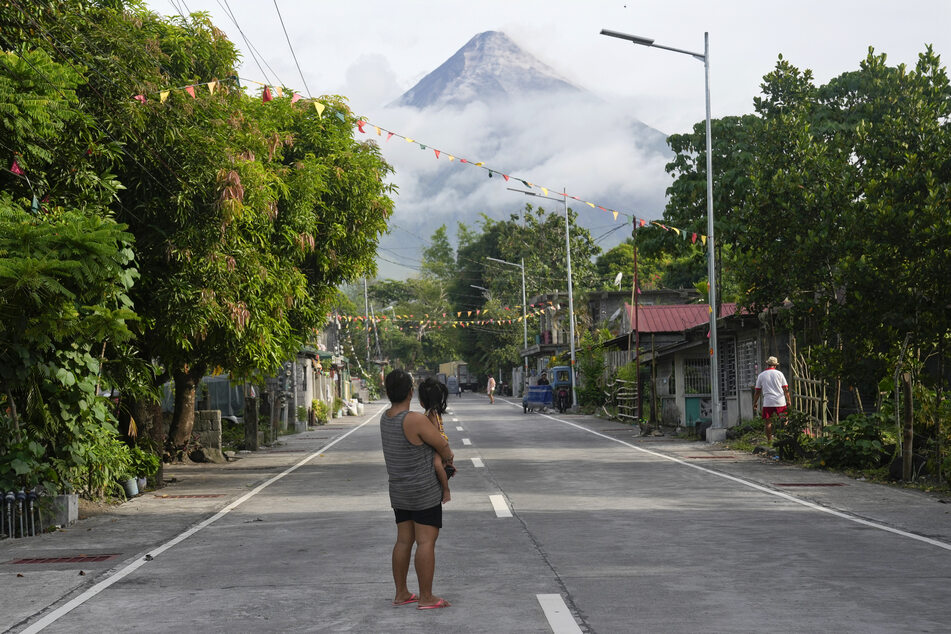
(771, 385)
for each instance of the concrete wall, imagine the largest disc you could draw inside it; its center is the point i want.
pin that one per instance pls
(208, 429)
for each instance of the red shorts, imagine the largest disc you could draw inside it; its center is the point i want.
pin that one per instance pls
(769, 412)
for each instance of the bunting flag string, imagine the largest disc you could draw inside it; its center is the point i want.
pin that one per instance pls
(362, 123)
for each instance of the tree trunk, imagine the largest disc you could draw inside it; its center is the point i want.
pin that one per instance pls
(908, 433)
(251, 423)
(183, 419)
(152, 425)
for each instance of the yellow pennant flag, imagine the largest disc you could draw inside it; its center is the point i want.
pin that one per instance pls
(452, 158)
(163, 96)
(589, 204)
(279, 91)
(480, 163)
(319, 107)
(378, 132)
(211, 87)
(676, 229)
(703, 239)
(545, 189)
(615, 214)
(469, 314)
(408, 140)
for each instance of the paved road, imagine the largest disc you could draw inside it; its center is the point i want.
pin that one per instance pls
(557, 523)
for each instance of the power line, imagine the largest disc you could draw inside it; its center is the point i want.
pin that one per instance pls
(251, 48)
(291, 46)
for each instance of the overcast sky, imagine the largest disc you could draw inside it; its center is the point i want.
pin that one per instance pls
(373, 50)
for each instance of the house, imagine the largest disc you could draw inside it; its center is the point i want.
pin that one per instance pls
(675, 360)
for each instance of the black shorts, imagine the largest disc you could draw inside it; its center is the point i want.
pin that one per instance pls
(428, 517)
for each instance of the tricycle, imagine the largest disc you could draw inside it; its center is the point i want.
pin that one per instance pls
(536, 397)
(561, 387)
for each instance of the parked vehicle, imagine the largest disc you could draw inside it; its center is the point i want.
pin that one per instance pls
(460, 370)
(560, 378)
(452, 384)
(537, 397)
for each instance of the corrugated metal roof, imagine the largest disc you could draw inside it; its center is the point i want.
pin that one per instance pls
(673, 318)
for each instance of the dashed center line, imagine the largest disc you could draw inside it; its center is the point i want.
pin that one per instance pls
(466, 441)
(558, 615)
(477, 463)
(501, 508)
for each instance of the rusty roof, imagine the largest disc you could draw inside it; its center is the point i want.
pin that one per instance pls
(674, 317)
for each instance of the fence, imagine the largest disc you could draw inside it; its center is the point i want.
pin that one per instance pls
(624, 395)
(809, 396)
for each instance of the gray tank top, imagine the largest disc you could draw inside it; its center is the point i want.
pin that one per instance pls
(413, 482)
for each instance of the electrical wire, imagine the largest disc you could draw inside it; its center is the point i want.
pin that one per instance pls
(291, 46)
(251, 48)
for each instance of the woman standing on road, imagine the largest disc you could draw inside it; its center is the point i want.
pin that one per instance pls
(490, 388)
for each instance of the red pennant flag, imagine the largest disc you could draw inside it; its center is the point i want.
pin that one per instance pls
(16, 169)
(390, 136)
(643, 224)
(190, 90)
(360, 125)
(437, 153)
(295, 98)
(463, 161)
(506, 177)
(140, 98)
(267, 95)
(693, 238)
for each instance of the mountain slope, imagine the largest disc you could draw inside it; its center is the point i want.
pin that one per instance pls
(488, 68)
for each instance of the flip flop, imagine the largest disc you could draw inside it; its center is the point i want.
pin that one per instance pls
(413, 598)
(442, 603)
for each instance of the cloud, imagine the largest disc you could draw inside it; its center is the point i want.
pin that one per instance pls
(595, 149)
(371, 80)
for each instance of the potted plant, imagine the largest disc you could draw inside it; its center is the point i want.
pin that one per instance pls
(145, 464)
(338, 407)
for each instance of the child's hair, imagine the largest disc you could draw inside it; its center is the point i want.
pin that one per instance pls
(433, 395)
(398, 384)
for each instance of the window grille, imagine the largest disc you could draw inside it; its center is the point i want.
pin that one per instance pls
(696, 376)
(726, 357)
(746, 357)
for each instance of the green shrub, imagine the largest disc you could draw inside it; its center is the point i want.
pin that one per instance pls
(145, 464)
(321, 411)
(855, 443)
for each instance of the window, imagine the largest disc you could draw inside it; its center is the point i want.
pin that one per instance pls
(726, 357)
(746, 357)
(696, 376)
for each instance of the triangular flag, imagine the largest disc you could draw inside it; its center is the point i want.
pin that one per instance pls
(140, 98)
(163, 96)
(693, 238)
(408, 140)
(643, 224)
(379, 132)
(545, 189)
(16, 169)
(506, 177)
(319, 107)
(589, 204)
(676, 230)
(279, 91)
(190, 90)
(340, 116)
(451, 157)
(360, 125)
(295, 98)
(437, 153)
(480, 163)
(211, 87)
(463, 161)
(615, 214)
(422, 147)
(267, 95)
(469, 314)
(390, 136)
(703, 239)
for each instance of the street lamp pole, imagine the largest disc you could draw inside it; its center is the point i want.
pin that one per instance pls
(571, 301)
(524, 315)
(716, 417)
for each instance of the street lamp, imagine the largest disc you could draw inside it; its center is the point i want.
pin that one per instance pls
(571, 301)
(524, 313)
(711, 266)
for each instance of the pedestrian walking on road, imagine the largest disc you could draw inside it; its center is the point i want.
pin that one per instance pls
(490, 388)
(410, 443)
(771, 385)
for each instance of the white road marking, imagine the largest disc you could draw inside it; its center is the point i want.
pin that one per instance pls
(759, 487)
(477, 463)
(501, 508)
(68, 607)
(559, 616)
(455, 420)
(459, 428)
(466, 441)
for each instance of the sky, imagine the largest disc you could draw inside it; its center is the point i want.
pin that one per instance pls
(371, 51)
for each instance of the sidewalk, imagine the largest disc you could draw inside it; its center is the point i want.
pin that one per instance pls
(127, 532)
